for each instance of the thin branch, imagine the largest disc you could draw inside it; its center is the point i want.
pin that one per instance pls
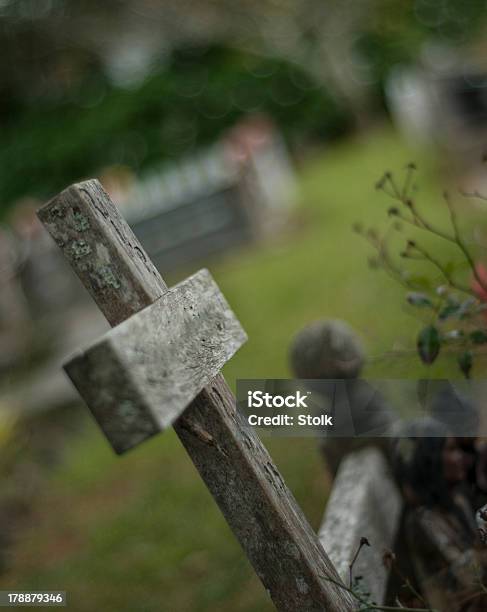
(389, 267)
(473, 194)
(451, 282)
(393, 185)
(461, 244)
(382, 184)
(407, 181)
(363, 542)
(420, 222)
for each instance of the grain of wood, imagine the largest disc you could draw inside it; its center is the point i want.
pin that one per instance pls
(140, 376)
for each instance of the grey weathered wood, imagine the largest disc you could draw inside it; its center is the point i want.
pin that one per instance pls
(365, 488)
(103, 251)
(235, 466)
(139, 378)
(257, 504)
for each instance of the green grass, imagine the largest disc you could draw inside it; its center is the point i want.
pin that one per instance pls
(142, 533)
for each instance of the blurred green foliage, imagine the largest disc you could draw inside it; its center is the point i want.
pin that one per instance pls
(399, 31)
(81, 122)
(198, 94)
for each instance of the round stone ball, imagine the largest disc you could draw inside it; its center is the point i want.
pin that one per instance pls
(326, 349)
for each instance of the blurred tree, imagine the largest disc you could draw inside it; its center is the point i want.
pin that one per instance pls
(90, 83)
(200, 92)
(342, 44)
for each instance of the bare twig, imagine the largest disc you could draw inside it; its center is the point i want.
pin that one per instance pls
(393, 185)
(448, 277)
(459, 241)
(363, 542)
(407, 182)
(380, 245)
(420, 222)
(388, 185)
(473, 194)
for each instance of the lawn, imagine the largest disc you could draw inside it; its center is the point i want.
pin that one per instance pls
(141, 532)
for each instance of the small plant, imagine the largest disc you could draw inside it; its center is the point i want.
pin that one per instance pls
(361, 594)
(451, 304)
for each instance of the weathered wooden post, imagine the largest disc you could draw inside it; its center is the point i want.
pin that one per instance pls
(161, 367)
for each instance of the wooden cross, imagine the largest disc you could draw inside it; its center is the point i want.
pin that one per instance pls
(160, 366)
